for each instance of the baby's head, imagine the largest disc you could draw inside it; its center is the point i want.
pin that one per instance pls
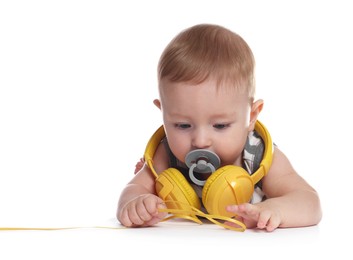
(207, 51)
(206, 88)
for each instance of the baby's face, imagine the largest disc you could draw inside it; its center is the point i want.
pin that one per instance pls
(205, 117)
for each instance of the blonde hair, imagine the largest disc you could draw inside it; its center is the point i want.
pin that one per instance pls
(207, 51)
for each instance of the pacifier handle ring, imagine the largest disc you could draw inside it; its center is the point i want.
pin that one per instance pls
(192, 176)
(210, 165)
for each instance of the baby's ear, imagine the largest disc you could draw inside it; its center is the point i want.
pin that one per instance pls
(157, 103)
(256, 108)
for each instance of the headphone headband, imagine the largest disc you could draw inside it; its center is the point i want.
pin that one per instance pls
(268, 152)
(151, 147)
(265, 164)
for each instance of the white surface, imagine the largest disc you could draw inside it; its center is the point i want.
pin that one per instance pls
(173, 240)
(77, 80)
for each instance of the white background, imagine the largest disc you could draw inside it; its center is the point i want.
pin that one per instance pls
(77, 81)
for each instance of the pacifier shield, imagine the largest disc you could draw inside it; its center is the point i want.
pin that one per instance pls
(202, 154)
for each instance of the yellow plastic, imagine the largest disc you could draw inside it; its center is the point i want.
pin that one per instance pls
(228, 185)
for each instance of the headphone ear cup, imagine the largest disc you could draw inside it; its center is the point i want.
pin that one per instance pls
(172, 187)
(228, 185)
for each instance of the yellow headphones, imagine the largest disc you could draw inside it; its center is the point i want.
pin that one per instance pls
(226, 186)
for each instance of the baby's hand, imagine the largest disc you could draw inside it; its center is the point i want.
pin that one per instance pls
(142, 211)
(139, 165)
(254, 215)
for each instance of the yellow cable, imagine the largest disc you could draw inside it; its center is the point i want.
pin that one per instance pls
(191, 213)
(51, 229)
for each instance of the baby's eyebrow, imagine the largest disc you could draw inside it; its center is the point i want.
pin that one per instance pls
(176, 115)
(225, 115)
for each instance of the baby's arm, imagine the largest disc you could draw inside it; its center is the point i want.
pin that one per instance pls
(138, 204)
(139, 165)
(291, 201)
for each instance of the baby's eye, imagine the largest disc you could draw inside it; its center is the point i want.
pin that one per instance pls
(220, 126)
(183, 126)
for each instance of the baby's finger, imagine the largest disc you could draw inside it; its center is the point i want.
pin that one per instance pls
(246, 210)
(250, 210)
(150, 205)
(273, 220)
(264, 219)
(124, 219)
(143, 213)
(134, 217)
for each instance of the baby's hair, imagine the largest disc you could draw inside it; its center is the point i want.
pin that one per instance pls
(207, 51)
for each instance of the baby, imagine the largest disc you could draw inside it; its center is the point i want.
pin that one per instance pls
(207, 100)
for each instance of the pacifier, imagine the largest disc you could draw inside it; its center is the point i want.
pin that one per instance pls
(201, 161)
